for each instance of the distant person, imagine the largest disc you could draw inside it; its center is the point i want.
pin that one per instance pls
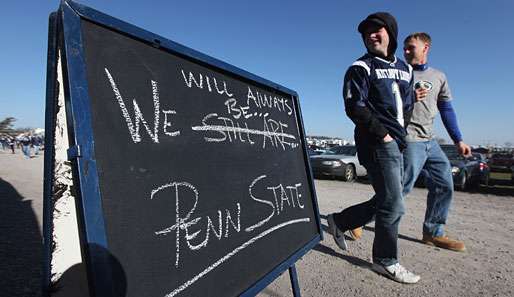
(25, 145)
(3, 140)
(423, 152)
(11, 142)
(378, 97)
(36, 142)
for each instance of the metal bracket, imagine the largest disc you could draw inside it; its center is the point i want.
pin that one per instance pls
(294, 281)
(74, 152)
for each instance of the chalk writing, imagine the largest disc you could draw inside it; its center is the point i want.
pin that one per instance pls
(234, 252)
(236, 125)
(258, 99)
(237, 110)
(231, 128)
(203, 163)
(180, 222)
(168, 124)
(262, 100)
(277, 203)
(225, 125)
(184, 224)
(198, 82)
(227, 129)
(138, 115)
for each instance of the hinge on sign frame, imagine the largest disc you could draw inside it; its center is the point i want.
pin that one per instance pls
(74, 152)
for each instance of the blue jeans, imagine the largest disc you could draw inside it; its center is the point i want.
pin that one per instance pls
(26, 150)
(384, 163)
(429, 156)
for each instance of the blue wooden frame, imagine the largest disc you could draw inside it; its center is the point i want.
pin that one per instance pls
(93, 233)
(91, 220)
(48, 180)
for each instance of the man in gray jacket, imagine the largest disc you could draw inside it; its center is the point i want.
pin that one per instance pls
(432, 96)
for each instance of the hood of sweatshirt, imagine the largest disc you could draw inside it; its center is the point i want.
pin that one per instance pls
(387, 21)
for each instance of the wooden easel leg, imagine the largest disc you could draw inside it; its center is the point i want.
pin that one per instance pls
(294, 281)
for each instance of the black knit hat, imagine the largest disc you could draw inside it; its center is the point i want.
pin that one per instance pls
(387, 21)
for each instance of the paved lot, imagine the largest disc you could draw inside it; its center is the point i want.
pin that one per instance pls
(482, 219)
(21, 214)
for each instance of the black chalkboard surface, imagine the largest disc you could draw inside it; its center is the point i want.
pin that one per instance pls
(203, 181)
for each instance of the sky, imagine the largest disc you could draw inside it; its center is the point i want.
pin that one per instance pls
(303, 45)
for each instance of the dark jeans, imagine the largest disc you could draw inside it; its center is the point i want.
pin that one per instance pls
(384, 163)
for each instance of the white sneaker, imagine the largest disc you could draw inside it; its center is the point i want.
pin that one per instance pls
(397, 273)
(336, 233)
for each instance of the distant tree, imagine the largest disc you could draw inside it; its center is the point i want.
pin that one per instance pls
(508, 144)
(6, 124)
(22, 130)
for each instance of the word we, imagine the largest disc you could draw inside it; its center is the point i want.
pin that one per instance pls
(133, 125)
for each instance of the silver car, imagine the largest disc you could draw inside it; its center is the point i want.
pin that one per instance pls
(339, 162)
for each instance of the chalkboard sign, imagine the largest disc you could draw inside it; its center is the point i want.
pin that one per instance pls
(193, 174)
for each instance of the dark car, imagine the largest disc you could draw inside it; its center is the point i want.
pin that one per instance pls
(312, 152)
(502, 168)
(467, 172)
(339, 162)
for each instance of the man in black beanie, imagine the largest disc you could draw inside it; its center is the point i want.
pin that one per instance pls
(378, 97)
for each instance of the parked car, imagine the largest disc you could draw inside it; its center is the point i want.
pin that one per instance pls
(320, 151)
(316, 150)
(467, 172)
(338, 162)
(312, 152)
(502, 168)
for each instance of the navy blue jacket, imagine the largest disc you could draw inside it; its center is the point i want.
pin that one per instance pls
(379, 98)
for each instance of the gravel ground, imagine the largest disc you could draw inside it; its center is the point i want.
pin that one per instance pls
(482, 219)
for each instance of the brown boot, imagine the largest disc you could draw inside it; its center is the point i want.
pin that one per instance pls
(356, 233)
(444, 242)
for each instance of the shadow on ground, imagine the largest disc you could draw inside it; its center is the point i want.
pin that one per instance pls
(360, 179)
(21, 245)
(350, 259)
(371, 229)
(111, 281)
(499, 189)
